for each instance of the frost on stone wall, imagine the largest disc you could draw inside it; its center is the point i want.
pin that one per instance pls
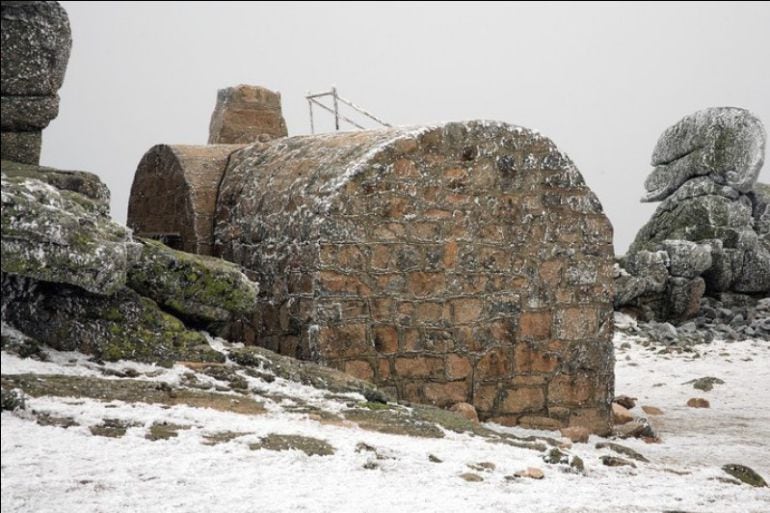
(455, 262)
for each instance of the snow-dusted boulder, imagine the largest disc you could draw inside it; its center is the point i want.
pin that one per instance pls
(712, 223)
(61, 236)
(727, 144)
(73, 279)
(194, 287)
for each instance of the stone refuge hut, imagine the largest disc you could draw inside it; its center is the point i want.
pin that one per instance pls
(463, 262)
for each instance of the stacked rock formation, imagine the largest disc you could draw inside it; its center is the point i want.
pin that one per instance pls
(710, 234)
(36, 46)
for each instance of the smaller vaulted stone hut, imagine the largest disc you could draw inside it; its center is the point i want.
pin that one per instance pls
(174, 194)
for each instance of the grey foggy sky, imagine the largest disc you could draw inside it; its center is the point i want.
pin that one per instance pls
(602, 80)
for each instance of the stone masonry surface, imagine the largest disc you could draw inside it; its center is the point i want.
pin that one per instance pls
(458, 262)
(174, 194)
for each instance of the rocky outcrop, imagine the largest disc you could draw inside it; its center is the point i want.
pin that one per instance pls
(36, 44)
(72, 279)
(729, 316)
(246, 114)
(196, 288)
(710, 232)
(81, 182)
(123, 325)
(61, 236)
(726, 144)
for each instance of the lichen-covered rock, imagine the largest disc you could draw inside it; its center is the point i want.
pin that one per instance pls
(124, 325)
(687, 259)
(128, 391)
(697, 219)
(36, 44)
(194, 287)
(729, 316)
(28, 113)
(725, 143)
(309, 445)
(21, 146)
(61, 236)
(82, 182)
(11, 399)
(15, 342)
(713, 228)
(622, 449)
(65, 266)
(642, 273)
(760, 201)
(745, 474)
(683, 297)
(306, 373)
(751, 265)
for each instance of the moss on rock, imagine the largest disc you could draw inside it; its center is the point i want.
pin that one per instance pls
(306, 373)
(164, 431)
(66, 266)
(61, 236)
(112, 428)
(15, 342)
(195, 287)
(745, 475)
(11, 399)
(397, 421)
(122, 326)
(221, 437)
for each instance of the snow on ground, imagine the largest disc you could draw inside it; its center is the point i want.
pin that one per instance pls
(735, 429)
(51, 469)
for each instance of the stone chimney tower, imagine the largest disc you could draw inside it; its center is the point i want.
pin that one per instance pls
(245, 114)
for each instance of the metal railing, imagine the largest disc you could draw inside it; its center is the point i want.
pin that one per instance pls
(313, 99)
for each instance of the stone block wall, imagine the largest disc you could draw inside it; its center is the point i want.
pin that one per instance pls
(461, 262)
(246, 114)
